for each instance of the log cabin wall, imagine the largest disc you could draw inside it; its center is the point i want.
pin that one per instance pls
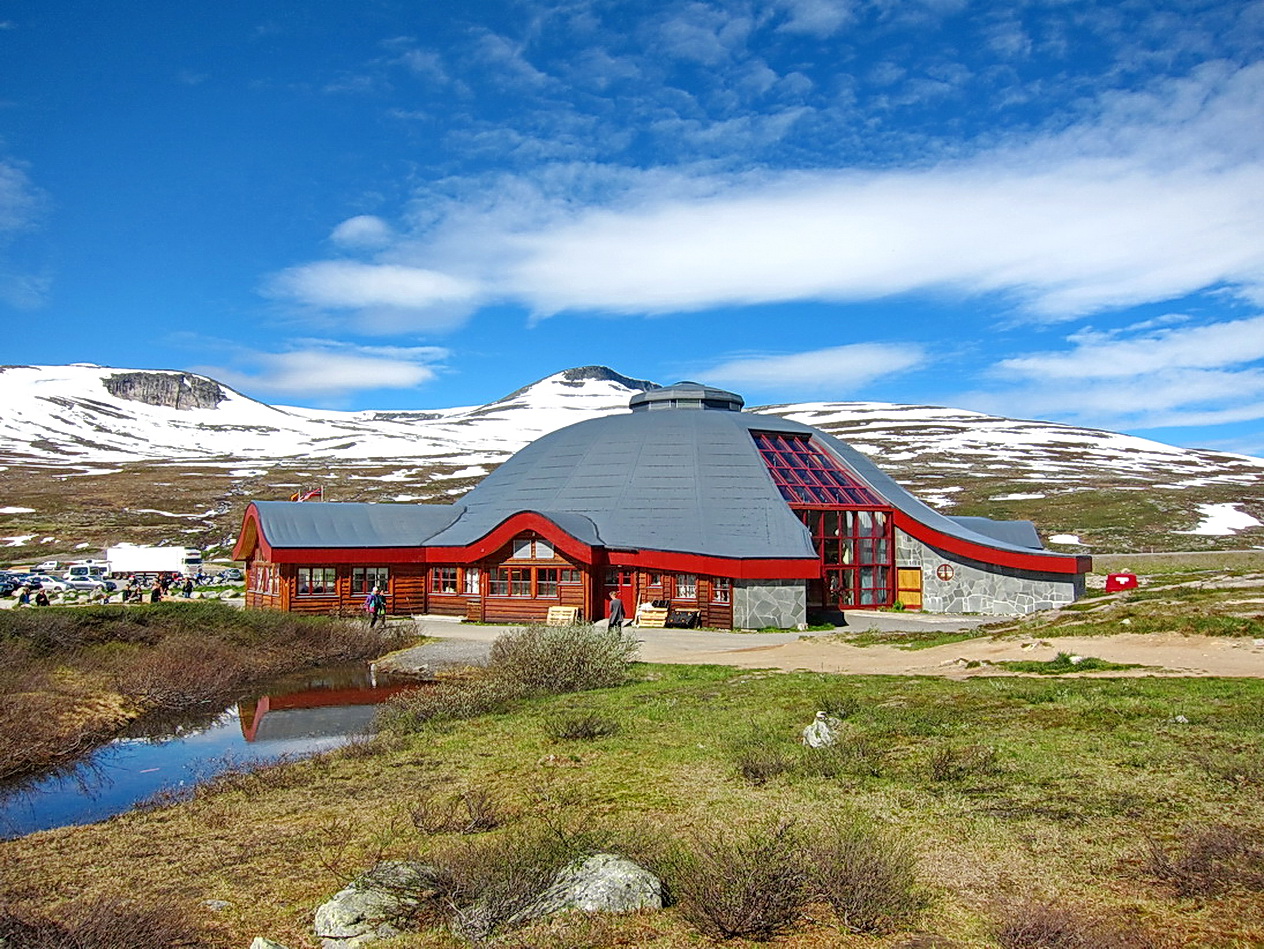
(524, 578)
(334, 588)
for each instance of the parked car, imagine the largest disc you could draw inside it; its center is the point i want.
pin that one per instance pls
(89, 583)
(231, 575)
(39, 581)
(48, 566)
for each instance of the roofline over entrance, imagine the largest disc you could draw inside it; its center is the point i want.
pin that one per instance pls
(1047, 562)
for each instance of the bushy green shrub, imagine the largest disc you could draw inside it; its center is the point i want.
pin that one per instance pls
(558, 659)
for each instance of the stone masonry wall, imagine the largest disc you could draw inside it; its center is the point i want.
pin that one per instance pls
(983, 588)
(760, 603)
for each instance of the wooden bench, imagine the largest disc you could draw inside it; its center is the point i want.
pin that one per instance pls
(563, 616)
(653, 617)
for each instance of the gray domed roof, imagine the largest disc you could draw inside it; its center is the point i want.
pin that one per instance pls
(683, 481)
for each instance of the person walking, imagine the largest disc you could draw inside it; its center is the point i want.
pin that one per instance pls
(375, 605)
(155, 594)
(187, 589)
(616, 611)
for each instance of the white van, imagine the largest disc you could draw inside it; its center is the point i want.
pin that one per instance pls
(87, 570)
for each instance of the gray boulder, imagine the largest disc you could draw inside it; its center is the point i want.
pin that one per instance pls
(823, 732)
(259, 942)
(372, 905)
(602, 883)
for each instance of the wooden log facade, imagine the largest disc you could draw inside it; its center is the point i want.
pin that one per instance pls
(517, 584)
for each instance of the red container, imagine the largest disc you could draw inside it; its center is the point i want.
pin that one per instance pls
(1120, 581)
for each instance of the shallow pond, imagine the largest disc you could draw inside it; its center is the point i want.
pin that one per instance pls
(287, 718)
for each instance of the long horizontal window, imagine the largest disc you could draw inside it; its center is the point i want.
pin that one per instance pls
(541, 583)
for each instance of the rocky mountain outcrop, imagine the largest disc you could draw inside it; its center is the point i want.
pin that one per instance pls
(173, 390)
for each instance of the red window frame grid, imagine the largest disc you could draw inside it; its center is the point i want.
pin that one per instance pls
(805, 473)
(444, 574)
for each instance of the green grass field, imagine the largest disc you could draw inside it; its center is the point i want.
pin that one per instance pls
(1050, 790)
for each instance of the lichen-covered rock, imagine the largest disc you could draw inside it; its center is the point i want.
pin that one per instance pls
(259, 942)
(602, 883)
(373, 905)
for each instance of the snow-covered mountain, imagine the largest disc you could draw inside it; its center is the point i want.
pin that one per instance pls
(93, 415)
(189, 442)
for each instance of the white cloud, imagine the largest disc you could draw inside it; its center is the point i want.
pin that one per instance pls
(816, 17)
(20, 201)
(1153, 195)
(1101, 356)
(1153, 377)
(837, 370)
(325, 369)
(22, 207)
(362, 231)
(347, 284)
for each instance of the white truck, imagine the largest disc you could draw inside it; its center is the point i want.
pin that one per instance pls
(126, 559)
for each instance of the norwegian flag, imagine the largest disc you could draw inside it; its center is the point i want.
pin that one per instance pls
(315, 494)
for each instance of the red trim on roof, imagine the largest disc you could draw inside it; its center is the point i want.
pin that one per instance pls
(251, 537)
(1041, 563)
(504, 532)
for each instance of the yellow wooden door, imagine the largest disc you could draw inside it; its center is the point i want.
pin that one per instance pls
(908, 587)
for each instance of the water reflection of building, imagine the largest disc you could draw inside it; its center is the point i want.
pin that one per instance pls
(321, 709)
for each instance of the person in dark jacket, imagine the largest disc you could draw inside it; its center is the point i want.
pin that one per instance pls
(375, 604)
(616, 611)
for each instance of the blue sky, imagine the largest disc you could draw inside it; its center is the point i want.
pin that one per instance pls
(1047, 209)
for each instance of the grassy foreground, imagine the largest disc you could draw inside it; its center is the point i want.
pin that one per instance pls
(1127, 807)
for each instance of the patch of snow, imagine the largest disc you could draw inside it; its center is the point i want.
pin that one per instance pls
(1220, 520)
(1018, 497)
(17, 510)
(147, 510)
(1065, 539)
(17, 541)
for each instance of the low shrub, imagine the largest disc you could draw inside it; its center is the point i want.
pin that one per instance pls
(537, 660)
(1038, 925)
(485, 886)
(470, 812)
(867, 874)
(584, 726)
(181, 672)
(1210, 861)
(106, 923)
(950, 763)
(747, 882)
(559, 659)
(453, 700)
(761, 756)
(855, 757)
